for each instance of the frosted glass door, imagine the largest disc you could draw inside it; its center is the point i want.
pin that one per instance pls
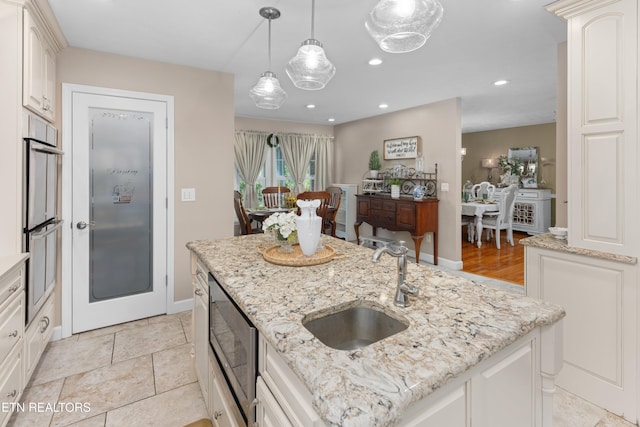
(121, 207)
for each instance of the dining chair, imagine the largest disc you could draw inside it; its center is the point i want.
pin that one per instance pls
(503, 218)
(243, 218)
(325, 200)
(334, 205)
(483, 188)
(273, 197)
(470, 223)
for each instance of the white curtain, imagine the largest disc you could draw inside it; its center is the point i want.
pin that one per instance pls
(250, 149)
(297, 150)
(324, 162)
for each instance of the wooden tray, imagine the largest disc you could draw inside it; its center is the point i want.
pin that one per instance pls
(297, 258)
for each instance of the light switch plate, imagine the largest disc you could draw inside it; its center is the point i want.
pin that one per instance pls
(444, 186)
(188, 194)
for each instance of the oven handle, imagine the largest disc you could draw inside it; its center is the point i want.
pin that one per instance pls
(42, 234)
(35, 146)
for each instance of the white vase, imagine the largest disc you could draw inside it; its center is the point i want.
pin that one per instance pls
(373, 173)
(395, 191)
(309, 225)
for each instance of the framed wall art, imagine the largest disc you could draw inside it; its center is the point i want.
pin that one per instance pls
(401, 148)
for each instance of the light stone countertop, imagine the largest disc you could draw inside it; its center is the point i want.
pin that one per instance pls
(453, 324)
(8, 262)
(548, 241)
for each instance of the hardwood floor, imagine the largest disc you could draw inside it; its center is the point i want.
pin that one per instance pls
(506, 263)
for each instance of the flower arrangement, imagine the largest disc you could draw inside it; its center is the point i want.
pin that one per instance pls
(283, 225)
(511, 166)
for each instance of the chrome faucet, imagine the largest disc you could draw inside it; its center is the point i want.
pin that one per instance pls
(403, 289)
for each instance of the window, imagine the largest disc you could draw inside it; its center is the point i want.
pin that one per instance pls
(275, 171)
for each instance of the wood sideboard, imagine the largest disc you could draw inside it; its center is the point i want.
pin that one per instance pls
(417, 217)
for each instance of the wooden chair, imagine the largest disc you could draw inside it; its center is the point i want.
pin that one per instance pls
(503, 219)
(334, 205)
(483, 188)
(273, 197)
(325, 200)
(243, 218)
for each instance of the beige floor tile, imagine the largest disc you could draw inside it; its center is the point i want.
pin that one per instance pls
(107, 388)
(112, 329)
(35, 400)
(97, 421)
(187, 326)
(148, 339)
(174, 408)
(169, 317)
(571, 411)
(69, 357)
(610, 420)
(173, 368)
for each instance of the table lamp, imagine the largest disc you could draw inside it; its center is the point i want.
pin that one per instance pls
(489, 164)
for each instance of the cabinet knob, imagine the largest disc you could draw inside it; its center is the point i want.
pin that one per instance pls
(44, 324)
(13, 289)
(13, 393)
(199, 292)
(13, 334)
(217, 414)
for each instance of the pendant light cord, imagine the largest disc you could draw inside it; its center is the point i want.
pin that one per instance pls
(313, 12)
(269, 50)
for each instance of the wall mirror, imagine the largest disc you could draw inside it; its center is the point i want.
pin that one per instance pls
(528, 157)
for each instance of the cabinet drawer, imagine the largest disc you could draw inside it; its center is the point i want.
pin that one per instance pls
(202, 275)
(10, 382)
(12, 284)
(11, 325)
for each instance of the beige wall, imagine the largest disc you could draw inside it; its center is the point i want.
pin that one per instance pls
(438, 126)
(246, 123)
(203, 138)
(561, 162)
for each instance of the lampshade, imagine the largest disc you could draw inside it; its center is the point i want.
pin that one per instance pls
(463, 151)
(489, 163)
(310, 69)
(267, 93)
(400, 26)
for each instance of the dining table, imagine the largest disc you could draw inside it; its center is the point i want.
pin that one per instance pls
(260, 214)
(478, 208)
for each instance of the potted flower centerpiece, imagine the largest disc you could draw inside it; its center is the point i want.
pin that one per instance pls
(374, 163)
(395, 184)
(511, 169)
(283, 227)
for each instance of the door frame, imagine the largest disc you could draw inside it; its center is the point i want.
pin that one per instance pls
(68, 90)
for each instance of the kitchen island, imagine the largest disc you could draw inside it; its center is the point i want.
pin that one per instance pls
(461, 338)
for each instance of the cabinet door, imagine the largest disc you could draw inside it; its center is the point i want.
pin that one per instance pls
(201, 342)
(222, 411)
(268, 412)
(503, 395)
(33, 72)
(49, 81)
(450, 411)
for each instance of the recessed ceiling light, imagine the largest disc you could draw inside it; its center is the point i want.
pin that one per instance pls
(311, 106)
(500, 82)
(331, 119)
(375, 61)
(383, 106)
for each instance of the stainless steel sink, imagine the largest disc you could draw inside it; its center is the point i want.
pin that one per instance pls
(354, 327)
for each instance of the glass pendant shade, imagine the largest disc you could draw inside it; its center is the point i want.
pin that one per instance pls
(310, 69)
(267, 93)
(400, 26)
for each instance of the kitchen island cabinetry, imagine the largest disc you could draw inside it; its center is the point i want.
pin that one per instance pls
(468, 350)
(37, 336)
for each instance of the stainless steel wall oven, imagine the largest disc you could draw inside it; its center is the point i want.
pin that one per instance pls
(234, 341)
(40, 211)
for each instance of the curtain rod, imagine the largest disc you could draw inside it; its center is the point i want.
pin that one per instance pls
(261, 132)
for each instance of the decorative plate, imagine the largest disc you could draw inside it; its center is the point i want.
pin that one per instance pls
(430, 188)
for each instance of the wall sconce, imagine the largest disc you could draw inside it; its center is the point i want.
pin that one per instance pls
(463, 152)
(489, 164)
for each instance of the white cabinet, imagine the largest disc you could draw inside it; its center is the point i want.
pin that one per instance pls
(602, 128)
(222, 407)
(38, 335)
(39, 69)
(601, 326)
(532, 211)
(12, 315)
(346, 215)
(200, 321)
(268, 411)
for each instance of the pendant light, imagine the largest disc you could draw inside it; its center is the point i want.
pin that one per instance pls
(310, 69)
(267, 93)
(400, 26)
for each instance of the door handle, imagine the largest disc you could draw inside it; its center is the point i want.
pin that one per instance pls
(81, 225)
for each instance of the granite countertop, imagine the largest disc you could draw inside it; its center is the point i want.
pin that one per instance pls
(8, 262)
(453, 324)
(548, 241)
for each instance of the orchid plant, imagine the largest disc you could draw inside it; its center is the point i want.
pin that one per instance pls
(282, 223)
(512, 166)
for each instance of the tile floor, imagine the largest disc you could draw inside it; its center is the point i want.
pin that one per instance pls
(141, 374)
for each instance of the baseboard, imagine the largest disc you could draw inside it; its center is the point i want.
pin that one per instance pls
(442, 262)
(180, 306)
(57, 334)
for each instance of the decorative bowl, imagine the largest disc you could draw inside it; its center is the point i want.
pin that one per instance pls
(559, 232)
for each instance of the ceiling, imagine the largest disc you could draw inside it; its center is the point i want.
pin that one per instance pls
(477, 43)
